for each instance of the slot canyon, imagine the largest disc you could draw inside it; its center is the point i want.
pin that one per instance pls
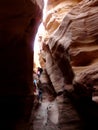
(68, 55)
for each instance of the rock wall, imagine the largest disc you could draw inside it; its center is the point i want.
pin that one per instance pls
(19, 21)
(71, 61)
(56, 10)
(74, 37)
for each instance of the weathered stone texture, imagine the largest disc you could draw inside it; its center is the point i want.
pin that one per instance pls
(56, 10)
(73, 50)
(78, 34)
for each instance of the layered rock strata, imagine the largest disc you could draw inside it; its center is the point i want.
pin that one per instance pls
(73, 50)
(77, 35)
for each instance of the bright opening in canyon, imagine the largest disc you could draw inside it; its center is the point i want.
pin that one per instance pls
(37, 44)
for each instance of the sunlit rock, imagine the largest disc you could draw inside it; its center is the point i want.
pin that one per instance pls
(77, 33)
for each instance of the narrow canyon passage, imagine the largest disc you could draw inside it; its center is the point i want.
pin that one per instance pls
(61, 114)
(68, 46)
(70, 34)
(46, 115)
(63, 111)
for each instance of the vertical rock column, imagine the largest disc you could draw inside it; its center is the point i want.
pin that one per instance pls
(19, 21)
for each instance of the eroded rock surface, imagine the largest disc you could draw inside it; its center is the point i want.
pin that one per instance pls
(76, 39)
(73, 49)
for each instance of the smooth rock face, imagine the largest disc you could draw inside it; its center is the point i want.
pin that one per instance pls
(19, 21)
